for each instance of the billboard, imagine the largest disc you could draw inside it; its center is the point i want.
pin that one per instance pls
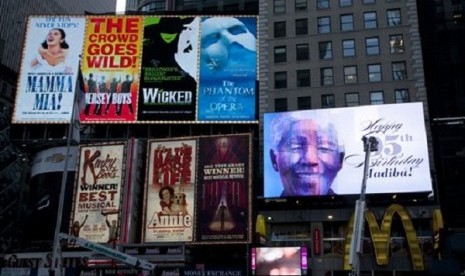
(110, 69)
(198, 198)
(140, 69)
(279, 260)
(49, 70)
(320, 152)
(169, 191)
(98, 192)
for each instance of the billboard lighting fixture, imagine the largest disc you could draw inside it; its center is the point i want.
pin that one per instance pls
(394, 196)
(330, 216)
(269, 218)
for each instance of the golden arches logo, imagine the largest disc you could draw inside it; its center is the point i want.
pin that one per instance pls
(381, 236)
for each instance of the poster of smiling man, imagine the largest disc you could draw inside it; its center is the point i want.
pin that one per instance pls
(49, 69)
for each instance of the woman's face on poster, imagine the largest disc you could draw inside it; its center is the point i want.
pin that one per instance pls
(54, 37)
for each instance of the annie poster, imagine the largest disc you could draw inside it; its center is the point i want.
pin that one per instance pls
(98, 193)
(49, 69)
(223, 189)
(169, 191)
(228, 69)
(110, 69)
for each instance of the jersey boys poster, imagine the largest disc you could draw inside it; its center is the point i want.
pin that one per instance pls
(223, 189)
(228, 69)
(169, 68)
(110, 68)
(49, 69)
(98, 193)
(169, 191)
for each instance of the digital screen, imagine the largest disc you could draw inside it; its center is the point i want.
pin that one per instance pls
(277, 260)
(321, 152)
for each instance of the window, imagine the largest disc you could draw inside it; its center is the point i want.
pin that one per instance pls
(303, 78)
(402, 95)
(300, 5)
(279, 6)
(327, 101)
(393, 17)
(369, 1)
(324, 25)
(345, 3)
(350, 74)
(326, 76)
(280, 54)
(302, 51)
(396, 43)
(280, 104)
(322, 4)
(280, 80)
(369, 20)
(326, 50)
(301, 26)
(376, 97)
(352, 99)
(374, 72)
(348, 48)
(372, 46)
(347, 22)
(304, 103)
(280, 29)
(399, 70)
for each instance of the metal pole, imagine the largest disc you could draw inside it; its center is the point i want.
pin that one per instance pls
(56, 241)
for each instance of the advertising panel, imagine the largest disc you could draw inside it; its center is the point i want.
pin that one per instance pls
(228, 69)
(110, 69)
(49, 69)
(98, 193)
(169, 191)
(223, 189)
(320, 152)
(279, 260)
(169, 79)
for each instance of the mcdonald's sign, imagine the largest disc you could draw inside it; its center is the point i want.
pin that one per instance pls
(380, 237)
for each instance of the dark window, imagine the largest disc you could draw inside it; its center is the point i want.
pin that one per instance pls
(352, 99)
(348, 48)
(279, 6)
(350, 74)
(372, 46)
(328, 101)
(280, 29)
(393, 17)
(374, 72)
(345, 3)
(399, 70)
(347, 22)
(280, 54)
(369, 1)
(322, 4)
(369, 20)
(280, 104)
(396, 42)
(302, 51)
(324, 25)
(326, 50)
(300, 5)
(376, 97)
(326, 76)
(280, 80)
(402, 95)
(303, 78)
(304, 103)
(301, 26)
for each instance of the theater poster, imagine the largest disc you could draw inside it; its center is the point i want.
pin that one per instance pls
(98, 192)
(169, 191)
(110, 69)
(223, 211)
(49, 69)
(169, 79)
(228, 69)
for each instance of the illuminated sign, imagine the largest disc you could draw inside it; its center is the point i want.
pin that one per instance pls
(320, 152)
(381, 237)
(278, 260)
